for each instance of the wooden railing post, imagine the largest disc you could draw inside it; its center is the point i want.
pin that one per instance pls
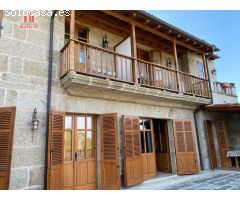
(72, 36)
(206, 75)
(176, 65)
(134, 53)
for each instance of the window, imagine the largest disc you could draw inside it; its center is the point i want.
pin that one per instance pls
(146, 135)
(85, 137)
(68, 138)
(79, 129)
(200, 69)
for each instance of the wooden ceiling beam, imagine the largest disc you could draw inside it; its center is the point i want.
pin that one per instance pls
(106, 21)
(149, 29)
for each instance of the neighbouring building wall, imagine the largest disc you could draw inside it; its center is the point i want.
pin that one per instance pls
(233, 129)
(223, 98)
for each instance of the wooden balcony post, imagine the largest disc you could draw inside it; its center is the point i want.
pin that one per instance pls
(134, 52)
(205, 67)
(72, 36)
(206, 74)
(176, 65)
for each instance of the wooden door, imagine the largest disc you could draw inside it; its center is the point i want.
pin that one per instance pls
(143, 75)
(109, 152)
(133, 169)
(55, 151)
(81, 34)
(80, 163)
(85, 162)
(69, 153)
(7, 119)
(185, 147)
(211, 146)
(223, 143)
(162, 148)
(147, 145)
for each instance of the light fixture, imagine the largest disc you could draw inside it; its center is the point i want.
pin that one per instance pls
(214, 72)
(35, 121)
(105, 42)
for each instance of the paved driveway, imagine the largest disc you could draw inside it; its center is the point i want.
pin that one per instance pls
(210, 180)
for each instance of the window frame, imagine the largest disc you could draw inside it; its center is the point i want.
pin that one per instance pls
(145, 131)
(201, 71)
(74, 130)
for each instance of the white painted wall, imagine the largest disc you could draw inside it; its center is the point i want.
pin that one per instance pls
(124, 48)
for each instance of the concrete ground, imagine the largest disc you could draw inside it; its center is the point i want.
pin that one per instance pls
(207, 180)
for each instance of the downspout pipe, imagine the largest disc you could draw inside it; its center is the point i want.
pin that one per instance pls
(209, 80)
(198, 109)
(49, 94)
(198, 136)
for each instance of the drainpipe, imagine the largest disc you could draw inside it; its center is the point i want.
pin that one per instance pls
(210, 85)
(199, 108)
(198, 136)
(49, 94)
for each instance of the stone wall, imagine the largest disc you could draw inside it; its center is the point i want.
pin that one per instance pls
(23, 83)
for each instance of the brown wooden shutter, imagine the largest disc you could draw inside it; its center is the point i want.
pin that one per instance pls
(223, 143)
(109, 151)
(7, 119)
(133, 171)
(55, 148)
(185, 147)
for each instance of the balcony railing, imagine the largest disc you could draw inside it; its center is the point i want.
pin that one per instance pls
(96, 61)
(224, 88)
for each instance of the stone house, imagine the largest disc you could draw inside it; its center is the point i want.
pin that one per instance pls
(106, 99)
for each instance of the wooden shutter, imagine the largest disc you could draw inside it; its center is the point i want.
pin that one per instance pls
(55, 150)
(109, 152)
(185, 147)
(223, 143)
(7, 119)
(133, 166)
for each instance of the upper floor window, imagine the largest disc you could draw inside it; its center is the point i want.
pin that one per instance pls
(81, 33)
(200, 69)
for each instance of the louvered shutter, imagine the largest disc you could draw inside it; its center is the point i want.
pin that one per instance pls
(133, 171)
(7, 119)
(223, 144)
(56, 142)
(109, 152)
(185, 147)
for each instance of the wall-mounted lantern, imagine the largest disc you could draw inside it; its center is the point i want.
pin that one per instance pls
(35, 121)
(214, 72)
(105, 42)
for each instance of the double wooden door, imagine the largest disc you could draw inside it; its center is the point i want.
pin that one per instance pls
(148, 148)
(72, 159)
(80, 167)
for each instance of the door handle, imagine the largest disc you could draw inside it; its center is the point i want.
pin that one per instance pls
(75, 156)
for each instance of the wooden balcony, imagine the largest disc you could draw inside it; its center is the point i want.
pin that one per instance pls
(224, 88)
(97, 62)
